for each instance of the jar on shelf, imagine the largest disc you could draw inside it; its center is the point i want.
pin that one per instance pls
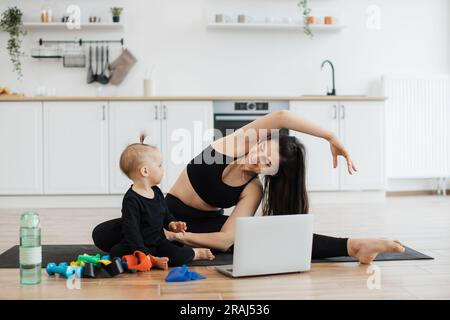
(44, 16)
(328, 20)
(49, 15)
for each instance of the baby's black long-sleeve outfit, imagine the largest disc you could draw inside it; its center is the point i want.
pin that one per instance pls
(143, 220)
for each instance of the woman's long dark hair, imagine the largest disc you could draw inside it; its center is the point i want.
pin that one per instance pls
(285, 192)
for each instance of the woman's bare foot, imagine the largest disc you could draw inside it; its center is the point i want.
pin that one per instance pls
(160, 263)
(367, 249)
(203, 254)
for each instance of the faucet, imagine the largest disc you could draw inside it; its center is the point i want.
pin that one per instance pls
(333, 91)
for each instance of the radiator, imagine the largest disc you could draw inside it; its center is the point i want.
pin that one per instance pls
(417, 126)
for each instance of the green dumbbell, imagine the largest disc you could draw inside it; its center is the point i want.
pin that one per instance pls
(89, 259)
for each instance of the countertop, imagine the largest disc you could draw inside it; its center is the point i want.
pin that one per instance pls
(196, 98)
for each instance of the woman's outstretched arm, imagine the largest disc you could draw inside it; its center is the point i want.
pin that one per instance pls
(241, 141)
(289, 120)
(248, 204)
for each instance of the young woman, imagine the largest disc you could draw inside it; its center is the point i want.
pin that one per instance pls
(223, 176)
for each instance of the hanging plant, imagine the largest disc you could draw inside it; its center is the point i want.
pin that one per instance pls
(306, 10)
(11, 22)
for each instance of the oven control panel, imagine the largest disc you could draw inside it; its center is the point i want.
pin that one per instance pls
(248, 107)
(259, 106)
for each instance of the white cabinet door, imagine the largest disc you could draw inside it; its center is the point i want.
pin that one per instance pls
(128, 119)
(188, 129)
(20, 148)
(320, 175)
(75, 148)
(362, 132)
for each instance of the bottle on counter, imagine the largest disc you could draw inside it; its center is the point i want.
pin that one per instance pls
(147, 87)
(30, 252)
(148, 83)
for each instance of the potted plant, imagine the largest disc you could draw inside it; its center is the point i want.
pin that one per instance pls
(116, 12)
(306, 10)
(11, 22)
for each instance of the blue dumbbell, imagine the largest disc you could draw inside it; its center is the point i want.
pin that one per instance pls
(107, 257)
(125, 267)
(62, 269)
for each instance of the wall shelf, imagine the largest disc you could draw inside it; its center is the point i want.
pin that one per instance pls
(63, 26)
(273, 26)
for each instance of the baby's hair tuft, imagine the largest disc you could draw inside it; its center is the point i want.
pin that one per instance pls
(142, 137)
(134, 155)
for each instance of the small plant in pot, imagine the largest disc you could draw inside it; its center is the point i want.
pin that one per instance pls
(116, 12)
(11, 22)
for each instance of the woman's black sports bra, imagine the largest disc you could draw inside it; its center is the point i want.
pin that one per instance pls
(205, 174)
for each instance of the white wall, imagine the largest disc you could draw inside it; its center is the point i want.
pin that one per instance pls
(192, 60)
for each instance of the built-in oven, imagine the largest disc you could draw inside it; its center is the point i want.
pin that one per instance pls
(232, 115)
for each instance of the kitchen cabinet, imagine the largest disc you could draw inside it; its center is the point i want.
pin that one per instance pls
(362, 132)
(320, 174)
(180, 129)
(187, 129)
(127, 121)
(75, 147)
(359, 125)
(21, 148)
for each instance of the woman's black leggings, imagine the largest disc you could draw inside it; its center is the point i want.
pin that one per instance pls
(199, 221)
(108, 234)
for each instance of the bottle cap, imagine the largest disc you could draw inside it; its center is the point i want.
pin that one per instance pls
(30, 219)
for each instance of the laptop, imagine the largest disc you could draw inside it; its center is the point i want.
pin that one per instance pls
(270, 245)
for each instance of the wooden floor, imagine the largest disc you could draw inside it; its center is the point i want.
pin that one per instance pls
(421, 222)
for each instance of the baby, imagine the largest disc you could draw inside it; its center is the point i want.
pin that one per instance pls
(145, 214)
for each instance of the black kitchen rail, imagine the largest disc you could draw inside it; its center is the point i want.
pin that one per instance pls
(81, 41)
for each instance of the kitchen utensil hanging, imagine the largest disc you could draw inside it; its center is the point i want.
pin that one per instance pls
(102, 77)
(90, 75)
(74, 61)
(74, 57)
(47, 49)
(47, 52)
(96, 64)
(77, 59)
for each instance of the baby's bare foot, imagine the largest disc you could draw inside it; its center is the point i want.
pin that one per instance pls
(203, 254)
(160, 263)
(366, 250)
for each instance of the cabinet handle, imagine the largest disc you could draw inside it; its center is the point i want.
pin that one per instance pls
(342, 112)
(164, 112)
(103, 112)
(334, 114)
(156, 112)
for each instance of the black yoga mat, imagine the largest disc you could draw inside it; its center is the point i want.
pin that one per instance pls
(67, 253)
